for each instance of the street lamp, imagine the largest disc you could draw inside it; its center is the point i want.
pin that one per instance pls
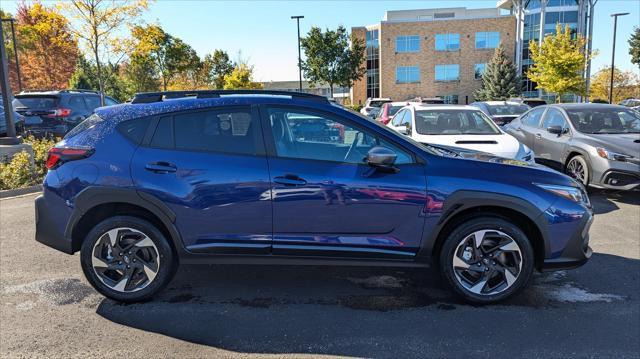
(299, 56)
(613, 52)
(5, 88)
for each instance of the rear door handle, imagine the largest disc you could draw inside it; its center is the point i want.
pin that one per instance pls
(160, 167)
(290, 180)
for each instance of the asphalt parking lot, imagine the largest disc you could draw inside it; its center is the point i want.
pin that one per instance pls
(47, 309)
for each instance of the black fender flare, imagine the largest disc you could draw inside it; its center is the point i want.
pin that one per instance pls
(93, 196)
(460, 201)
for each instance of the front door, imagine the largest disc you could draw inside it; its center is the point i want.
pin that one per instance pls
(327, 201)
(210, 168)
(552, 147)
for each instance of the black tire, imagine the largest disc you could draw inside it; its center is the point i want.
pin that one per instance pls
(467, 228)
(167, 262)
(579, 159)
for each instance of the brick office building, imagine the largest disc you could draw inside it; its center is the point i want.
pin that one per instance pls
(432, 52)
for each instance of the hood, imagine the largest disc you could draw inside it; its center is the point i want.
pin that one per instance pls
(502, 145)
(624, 143)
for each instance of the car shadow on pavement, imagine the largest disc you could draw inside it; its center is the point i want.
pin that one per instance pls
(374, 312)
(605, 201)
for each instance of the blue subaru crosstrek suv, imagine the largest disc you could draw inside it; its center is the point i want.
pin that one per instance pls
(266, 177)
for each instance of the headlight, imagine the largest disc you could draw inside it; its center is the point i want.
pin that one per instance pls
(524, 153)
(574, 194)
(611, 156)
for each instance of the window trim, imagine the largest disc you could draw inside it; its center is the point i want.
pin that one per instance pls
(271, 147)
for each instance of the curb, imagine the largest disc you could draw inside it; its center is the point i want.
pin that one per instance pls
(20, 191)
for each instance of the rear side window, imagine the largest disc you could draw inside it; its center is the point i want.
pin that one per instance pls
(224, 130)
(134, 129)
(93, 102)
(76, 104)
(36, 103)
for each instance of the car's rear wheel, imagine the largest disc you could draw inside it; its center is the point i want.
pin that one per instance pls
(127, 259)
(578, 169)
(487, 259)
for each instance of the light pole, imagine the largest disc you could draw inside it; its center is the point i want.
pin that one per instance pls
(5, 88)
(613, 52)
(15, 51)
(299, 56)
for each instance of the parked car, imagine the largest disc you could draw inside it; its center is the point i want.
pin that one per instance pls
(214, 177)
(529, 101)
(56, 112)
(501, 112)
(372, 106)
(388, 110)
(18, 122)
(597, 144)
(458, 126)
(631, 102)
(427, 100)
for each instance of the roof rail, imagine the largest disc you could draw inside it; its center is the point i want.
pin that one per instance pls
(81, 91)
(150, 97)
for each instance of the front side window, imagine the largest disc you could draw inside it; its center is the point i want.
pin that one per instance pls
(487, 40)
(224, 130)
(554, 117)
(454, 122)
(407, 74)
(447, 72)
(604, 120)
(447, 42)
(398, 118)
(479, 70)
(302, 134)
(532, 118)
(408, 43)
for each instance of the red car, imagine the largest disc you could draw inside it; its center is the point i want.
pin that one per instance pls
(388, 110)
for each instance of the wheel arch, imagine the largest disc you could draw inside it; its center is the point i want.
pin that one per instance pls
(464, 205)
(95, 204)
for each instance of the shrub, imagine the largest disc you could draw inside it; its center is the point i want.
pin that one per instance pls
(40, 149)
(18, 172)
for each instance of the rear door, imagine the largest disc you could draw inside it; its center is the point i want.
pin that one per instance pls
(327, 201)
(210, 168)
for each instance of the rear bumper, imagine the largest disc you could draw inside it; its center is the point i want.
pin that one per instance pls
(47, 228)
(576, 251)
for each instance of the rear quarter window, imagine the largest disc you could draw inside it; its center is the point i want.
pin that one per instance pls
(88, 123)
(134, 129)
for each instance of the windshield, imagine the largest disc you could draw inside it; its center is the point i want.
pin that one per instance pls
(35, 103)
(605, 120)
(507, 109)
(454, 122)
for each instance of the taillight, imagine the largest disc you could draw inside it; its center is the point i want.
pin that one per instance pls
(60, 112)
(60, 155)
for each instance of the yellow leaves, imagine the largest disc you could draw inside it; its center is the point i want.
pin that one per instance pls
(241, 78)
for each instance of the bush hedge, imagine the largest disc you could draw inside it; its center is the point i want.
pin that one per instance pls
(22, 170)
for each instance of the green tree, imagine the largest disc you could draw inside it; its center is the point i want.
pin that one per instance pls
(558, 63)
(98, 23)
(331, 59)
(217, 66)
(625, 85)
(85, 77)
(500, 80)
(634, 46)
(241, 78)
(140, 74)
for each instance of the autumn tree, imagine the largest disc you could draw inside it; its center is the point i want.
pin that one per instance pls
(634, 46)
(217, 66)
(331, 59)
(85, 77)
(558, 63)
(625, 85)
(241, 78)
(499, 80)
(98, 23)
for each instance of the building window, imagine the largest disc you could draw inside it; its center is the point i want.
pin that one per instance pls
(373, 59)
(447, 42)
(408, 43)
(479, 70)
(487, 40)
(449, 99)
(407, 74)
(447, 72)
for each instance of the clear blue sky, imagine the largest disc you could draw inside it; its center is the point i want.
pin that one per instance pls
(266, 35)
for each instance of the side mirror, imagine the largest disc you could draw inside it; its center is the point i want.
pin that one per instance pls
(382, 157)
(556, 130)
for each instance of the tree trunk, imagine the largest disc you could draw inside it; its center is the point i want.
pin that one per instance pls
(331, 90)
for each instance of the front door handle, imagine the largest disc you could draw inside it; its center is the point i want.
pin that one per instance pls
(538, 136)
(290, 180)
(160, 167)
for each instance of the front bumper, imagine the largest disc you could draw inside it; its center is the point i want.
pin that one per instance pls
(48, 229)
(576, 251)
(616, 175)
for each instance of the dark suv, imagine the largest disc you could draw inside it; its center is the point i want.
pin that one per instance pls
(230, 177)
(56, 112)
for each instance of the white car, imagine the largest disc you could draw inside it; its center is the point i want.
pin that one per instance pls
(372, 106)
(458, 126)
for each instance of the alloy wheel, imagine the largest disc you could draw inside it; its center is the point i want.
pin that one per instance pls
(576, 170)
(487, 262)
(125, 259)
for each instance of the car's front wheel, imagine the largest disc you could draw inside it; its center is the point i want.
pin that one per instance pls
(127, 259)
(578, 169)
(486, 259)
